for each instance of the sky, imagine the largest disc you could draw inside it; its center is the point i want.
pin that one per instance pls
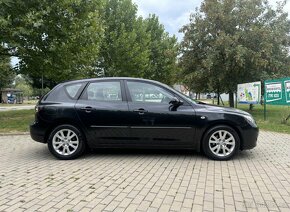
(173, 14)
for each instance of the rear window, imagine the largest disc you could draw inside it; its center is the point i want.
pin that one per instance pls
(64, 93)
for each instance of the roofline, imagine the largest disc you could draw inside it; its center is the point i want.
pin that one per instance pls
(109, 78)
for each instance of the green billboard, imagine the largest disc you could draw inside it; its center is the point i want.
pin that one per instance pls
(277, 92)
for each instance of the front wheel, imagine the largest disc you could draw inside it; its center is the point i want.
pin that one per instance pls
(221, 143)
(66, 142)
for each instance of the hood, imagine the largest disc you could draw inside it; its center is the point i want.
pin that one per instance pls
(224, 109)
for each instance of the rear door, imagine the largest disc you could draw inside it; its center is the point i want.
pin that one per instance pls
(153, 120)
(102, 109)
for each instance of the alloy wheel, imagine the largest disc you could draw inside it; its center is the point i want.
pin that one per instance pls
(222, 143)
(65, 142)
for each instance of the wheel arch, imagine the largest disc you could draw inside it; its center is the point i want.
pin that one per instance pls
(63, 121)
(223, 123)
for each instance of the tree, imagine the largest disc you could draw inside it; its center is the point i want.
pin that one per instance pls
(234, 41)
(163, 51)
(22, 84)
(6, 73)
(124, 49)
(134, 46)
(58, 40)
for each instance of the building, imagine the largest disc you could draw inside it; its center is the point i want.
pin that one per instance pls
(11, 95)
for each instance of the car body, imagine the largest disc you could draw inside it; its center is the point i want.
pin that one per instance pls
(136, 113)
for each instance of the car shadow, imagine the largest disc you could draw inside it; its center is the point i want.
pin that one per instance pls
(44, 154)
(160, 152)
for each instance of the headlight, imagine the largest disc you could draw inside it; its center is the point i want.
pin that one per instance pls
(250, 120)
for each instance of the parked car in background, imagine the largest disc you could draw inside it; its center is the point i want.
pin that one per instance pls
(137, 113)
(11, 99)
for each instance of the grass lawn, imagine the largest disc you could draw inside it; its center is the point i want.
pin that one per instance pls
(16, 120)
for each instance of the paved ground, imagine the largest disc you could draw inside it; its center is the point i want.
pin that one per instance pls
(17, 107)
(32, 180)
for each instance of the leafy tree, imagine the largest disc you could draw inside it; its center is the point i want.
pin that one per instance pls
(234, 41)
(6, 73)
(23, 84)
(124, 49)
(58, 40)
(136, 47)
(163, 51)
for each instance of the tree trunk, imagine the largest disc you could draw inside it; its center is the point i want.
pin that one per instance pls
(231, 99)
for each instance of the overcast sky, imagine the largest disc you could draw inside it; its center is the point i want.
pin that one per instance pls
(173, 14)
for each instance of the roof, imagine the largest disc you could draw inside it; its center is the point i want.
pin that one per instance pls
(111, 78)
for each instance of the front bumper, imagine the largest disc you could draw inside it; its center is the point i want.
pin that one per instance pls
(249, 138)
(37, 132)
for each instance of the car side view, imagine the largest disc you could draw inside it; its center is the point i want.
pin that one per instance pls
(137, 113)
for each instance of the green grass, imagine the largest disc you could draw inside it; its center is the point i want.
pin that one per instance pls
(16, 120)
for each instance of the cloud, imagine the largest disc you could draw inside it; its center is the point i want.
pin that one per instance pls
(172, 14)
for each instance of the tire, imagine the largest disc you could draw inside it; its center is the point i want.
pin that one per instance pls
(221, 143)
(66, 142)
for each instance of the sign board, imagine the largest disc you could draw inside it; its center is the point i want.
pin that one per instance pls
(287, 90)
(249, 93)
(277, 92)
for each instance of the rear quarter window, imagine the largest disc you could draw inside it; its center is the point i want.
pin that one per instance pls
(64, 93)
(72, 90)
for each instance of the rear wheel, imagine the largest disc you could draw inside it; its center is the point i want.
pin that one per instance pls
(221, 143)
(66, 142)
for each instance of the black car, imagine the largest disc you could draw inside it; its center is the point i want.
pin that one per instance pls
(136, 113)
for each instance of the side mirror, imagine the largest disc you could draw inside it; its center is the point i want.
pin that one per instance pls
(175, 102)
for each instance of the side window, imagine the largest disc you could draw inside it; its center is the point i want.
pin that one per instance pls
(145, 92)
(103, 91)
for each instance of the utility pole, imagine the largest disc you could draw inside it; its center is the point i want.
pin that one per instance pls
(42, 84)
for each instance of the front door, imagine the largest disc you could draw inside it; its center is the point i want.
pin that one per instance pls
(153, 120)
(103, 109)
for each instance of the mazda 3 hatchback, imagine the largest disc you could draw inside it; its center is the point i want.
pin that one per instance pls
(137, 113)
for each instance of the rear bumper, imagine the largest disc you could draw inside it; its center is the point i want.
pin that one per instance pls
(249, 138)
(37, 132)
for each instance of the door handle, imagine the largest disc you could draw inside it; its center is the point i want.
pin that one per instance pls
(141, 111)
(87, 109)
